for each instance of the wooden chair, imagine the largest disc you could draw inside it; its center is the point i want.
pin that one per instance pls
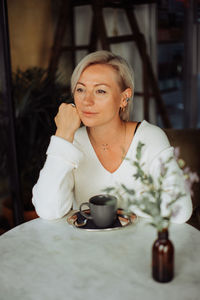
(188, 140)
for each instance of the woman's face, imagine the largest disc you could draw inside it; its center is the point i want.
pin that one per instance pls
(98, 96)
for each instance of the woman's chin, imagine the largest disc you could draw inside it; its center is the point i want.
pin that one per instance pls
(89, 123)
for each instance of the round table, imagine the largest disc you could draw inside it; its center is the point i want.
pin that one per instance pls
(53, 260)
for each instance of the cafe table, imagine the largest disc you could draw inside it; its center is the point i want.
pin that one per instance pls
(53, 260)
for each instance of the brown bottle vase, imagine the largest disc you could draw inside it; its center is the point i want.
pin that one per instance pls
(163, 258)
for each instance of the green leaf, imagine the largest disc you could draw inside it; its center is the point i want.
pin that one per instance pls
(109, 189)
(139, 151)
(152, 224)
(127, 190)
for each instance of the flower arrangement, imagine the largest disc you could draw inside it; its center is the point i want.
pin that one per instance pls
(149, 200)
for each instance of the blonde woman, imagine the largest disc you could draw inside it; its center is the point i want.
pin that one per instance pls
(82, 161)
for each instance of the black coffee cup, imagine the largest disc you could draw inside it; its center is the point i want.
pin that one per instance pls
(103, 210)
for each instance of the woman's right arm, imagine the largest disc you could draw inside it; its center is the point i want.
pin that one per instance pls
(53, 193)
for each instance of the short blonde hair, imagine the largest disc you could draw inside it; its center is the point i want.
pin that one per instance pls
(118, 63)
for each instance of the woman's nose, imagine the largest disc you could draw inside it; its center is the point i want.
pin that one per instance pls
(88, 99)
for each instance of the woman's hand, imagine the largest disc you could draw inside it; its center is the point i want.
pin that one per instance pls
(67, 121)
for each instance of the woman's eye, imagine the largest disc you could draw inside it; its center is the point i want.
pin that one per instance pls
(101, 91)
(79, 90)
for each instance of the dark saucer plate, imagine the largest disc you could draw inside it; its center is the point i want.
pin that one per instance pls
(122, 220)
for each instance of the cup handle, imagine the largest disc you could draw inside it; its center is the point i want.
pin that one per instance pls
(82, 212)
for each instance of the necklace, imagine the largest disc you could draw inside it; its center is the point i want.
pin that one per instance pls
(107, 146)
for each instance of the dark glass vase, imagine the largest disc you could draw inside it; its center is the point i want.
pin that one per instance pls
(163, 258)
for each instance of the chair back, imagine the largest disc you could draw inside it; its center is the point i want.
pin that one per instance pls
(188, 140)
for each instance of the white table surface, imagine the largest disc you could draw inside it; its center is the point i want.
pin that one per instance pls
(52, 260)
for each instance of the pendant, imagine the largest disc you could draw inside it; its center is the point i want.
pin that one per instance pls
(105, 147)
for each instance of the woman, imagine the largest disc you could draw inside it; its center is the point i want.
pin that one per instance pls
(82, 162)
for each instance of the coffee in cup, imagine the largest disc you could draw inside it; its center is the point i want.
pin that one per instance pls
(103, 210)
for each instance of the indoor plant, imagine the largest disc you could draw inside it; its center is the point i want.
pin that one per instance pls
(150, 199)
(150, 202)
(36, 98)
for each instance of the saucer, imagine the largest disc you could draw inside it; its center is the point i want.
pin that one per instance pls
(122, 220)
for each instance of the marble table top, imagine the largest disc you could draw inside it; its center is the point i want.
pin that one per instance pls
(53, 260)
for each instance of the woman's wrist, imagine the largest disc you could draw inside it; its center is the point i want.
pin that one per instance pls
(67, 136)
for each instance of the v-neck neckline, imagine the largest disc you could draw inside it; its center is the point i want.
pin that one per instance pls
(127, 153)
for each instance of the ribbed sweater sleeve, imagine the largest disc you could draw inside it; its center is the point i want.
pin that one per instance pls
(53, 193)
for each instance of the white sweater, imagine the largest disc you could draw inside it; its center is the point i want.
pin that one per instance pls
(73, 173)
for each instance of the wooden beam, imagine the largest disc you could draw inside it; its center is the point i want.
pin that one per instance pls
(58, 37)
(97, 6)
(141, 45)
(121, 39)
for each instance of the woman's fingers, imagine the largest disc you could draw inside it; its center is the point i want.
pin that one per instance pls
(67, 121)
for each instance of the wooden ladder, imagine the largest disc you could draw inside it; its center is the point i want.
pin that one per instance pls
(98, 31)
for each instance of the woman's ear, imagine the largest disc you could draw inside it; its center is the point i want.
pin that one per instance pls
(126, 94)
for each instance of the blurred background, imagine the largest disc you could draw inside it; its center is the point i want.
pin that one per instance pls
(40, 44)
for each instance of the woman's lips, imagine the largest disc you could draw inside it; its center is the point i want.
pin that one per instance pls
(89, 113)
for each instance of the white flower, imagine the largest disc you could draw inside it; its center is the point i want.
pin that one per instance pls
(190, 177)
